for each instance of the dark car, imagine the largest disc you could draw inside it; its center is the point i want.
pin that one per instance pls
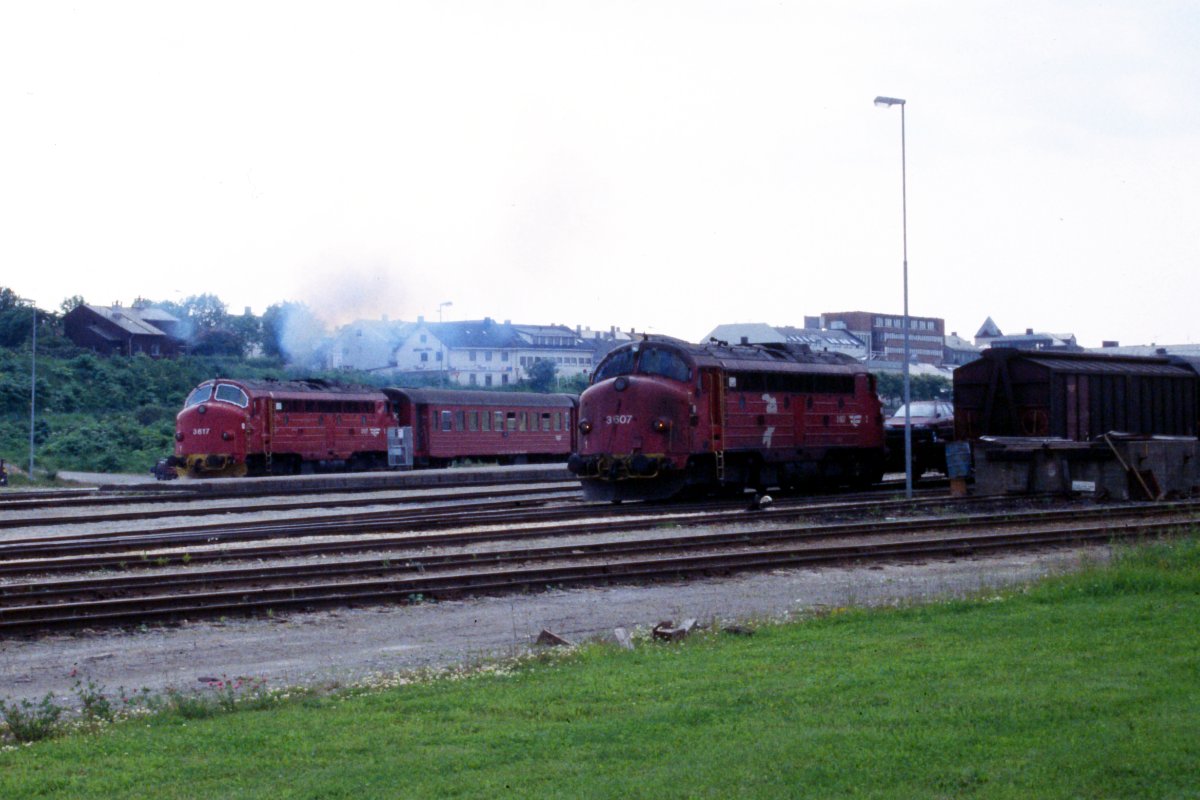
(163, 470)
(932, 424)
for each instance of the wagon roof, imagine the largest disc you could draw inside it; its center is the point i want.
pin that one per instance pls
(1089, 363)
(770, 357)
(480, 398)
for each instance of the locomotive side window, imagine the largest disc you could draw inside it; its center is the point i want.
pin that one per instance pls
(447, 420)
(666, 363)
(199, 395)
(618, 363)
(232, 394)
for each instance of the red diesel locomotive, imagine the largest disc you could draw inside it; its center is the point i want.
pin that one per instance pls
(663, 416)
(248, 427)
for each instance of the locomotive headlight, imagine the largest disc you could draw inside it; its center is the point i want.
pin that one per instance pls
(661, 425)
(226, 435)
(179, 436)
(585, 427)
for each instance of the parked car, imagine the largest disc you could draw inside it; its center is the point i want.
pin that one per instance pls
(163, 471)
(932, 424)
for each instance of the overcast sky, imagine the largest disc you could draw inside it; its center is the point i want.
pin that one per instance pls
(663, 166)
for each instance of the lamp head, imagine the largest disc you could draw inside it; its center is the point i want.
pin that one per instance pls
(888, 101)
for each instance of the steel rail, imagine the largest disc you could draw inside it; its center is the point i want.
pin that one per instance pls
(65, 554)
(42, 592)
(423, 587)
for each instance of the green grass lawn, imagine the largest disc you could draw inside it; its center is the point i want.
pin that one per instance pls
(1086, 686)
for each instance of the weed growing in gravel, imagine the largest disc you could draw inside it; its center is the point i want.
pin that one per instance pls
(27, 721)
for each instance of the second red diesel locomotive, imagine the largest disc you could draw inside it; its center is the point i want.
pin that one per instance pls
(663, 416)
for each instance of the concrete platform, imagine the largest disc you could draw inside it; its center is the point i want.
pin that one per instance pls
(348, 481)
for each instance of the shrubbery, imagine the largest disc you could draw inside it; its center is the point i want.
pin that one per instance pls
(103, 414)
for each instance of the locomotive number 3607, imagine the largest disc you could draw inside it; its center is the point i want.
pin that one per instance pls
(618, 419)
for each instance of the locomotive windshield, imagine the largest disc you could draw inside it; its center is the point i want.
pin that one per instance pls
(657, 361)
(199, 395)
(232, 394)
(619, 363)
(665, 363)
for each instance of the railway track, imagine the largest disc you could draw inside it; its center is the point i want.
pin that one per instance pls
(414, 576)
(127, 550)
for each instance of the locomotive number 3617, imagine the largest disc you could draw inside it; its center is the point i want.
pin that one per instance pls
(618, 419)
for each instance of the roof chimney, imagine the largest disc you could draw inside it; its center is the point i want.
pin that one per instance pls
(1029, 331)
(1110, 343)
(745, 340)
(420, 319)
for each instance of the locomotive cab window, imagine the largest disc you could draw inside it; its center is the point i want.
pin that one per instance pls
(232, 394)
(664, 363)
(618, 363)
(199, 395)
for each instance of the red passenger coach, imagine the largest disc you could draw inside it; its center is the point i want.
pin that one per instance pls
(663, 415)
(437, 426)
(239, 427)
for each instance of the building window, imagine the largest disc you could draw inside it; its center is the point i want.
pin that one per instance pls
(487, 380)
(487, 355)
(424, 356)
(471, 355)
(503, 380)
(472, 380)
(504, 356)
(424, 338)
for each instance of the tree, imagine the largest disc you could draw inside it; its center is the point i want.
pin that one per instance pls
(70, 304)
(205, 311)
(542, 374)
(15, 320)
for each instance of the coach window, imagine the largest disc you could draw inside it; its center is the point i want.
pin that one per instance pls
(447, 420)
(499, 420)
(546, 421)
(473, 420)
(521, 421)
(558, 420)
(510, 420)
(458, 421)
(485, 420)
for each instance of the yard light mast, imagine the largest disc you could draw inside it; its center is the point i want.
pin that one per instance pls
(445, 365)
(888, 102)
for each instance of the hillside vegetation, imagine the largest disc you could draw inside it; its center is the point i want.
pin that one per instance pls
(108, 414)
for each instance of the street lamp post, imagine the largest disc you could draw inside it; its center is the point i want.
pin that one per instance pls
(32, 385)
(908, 477)
(445, 364)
